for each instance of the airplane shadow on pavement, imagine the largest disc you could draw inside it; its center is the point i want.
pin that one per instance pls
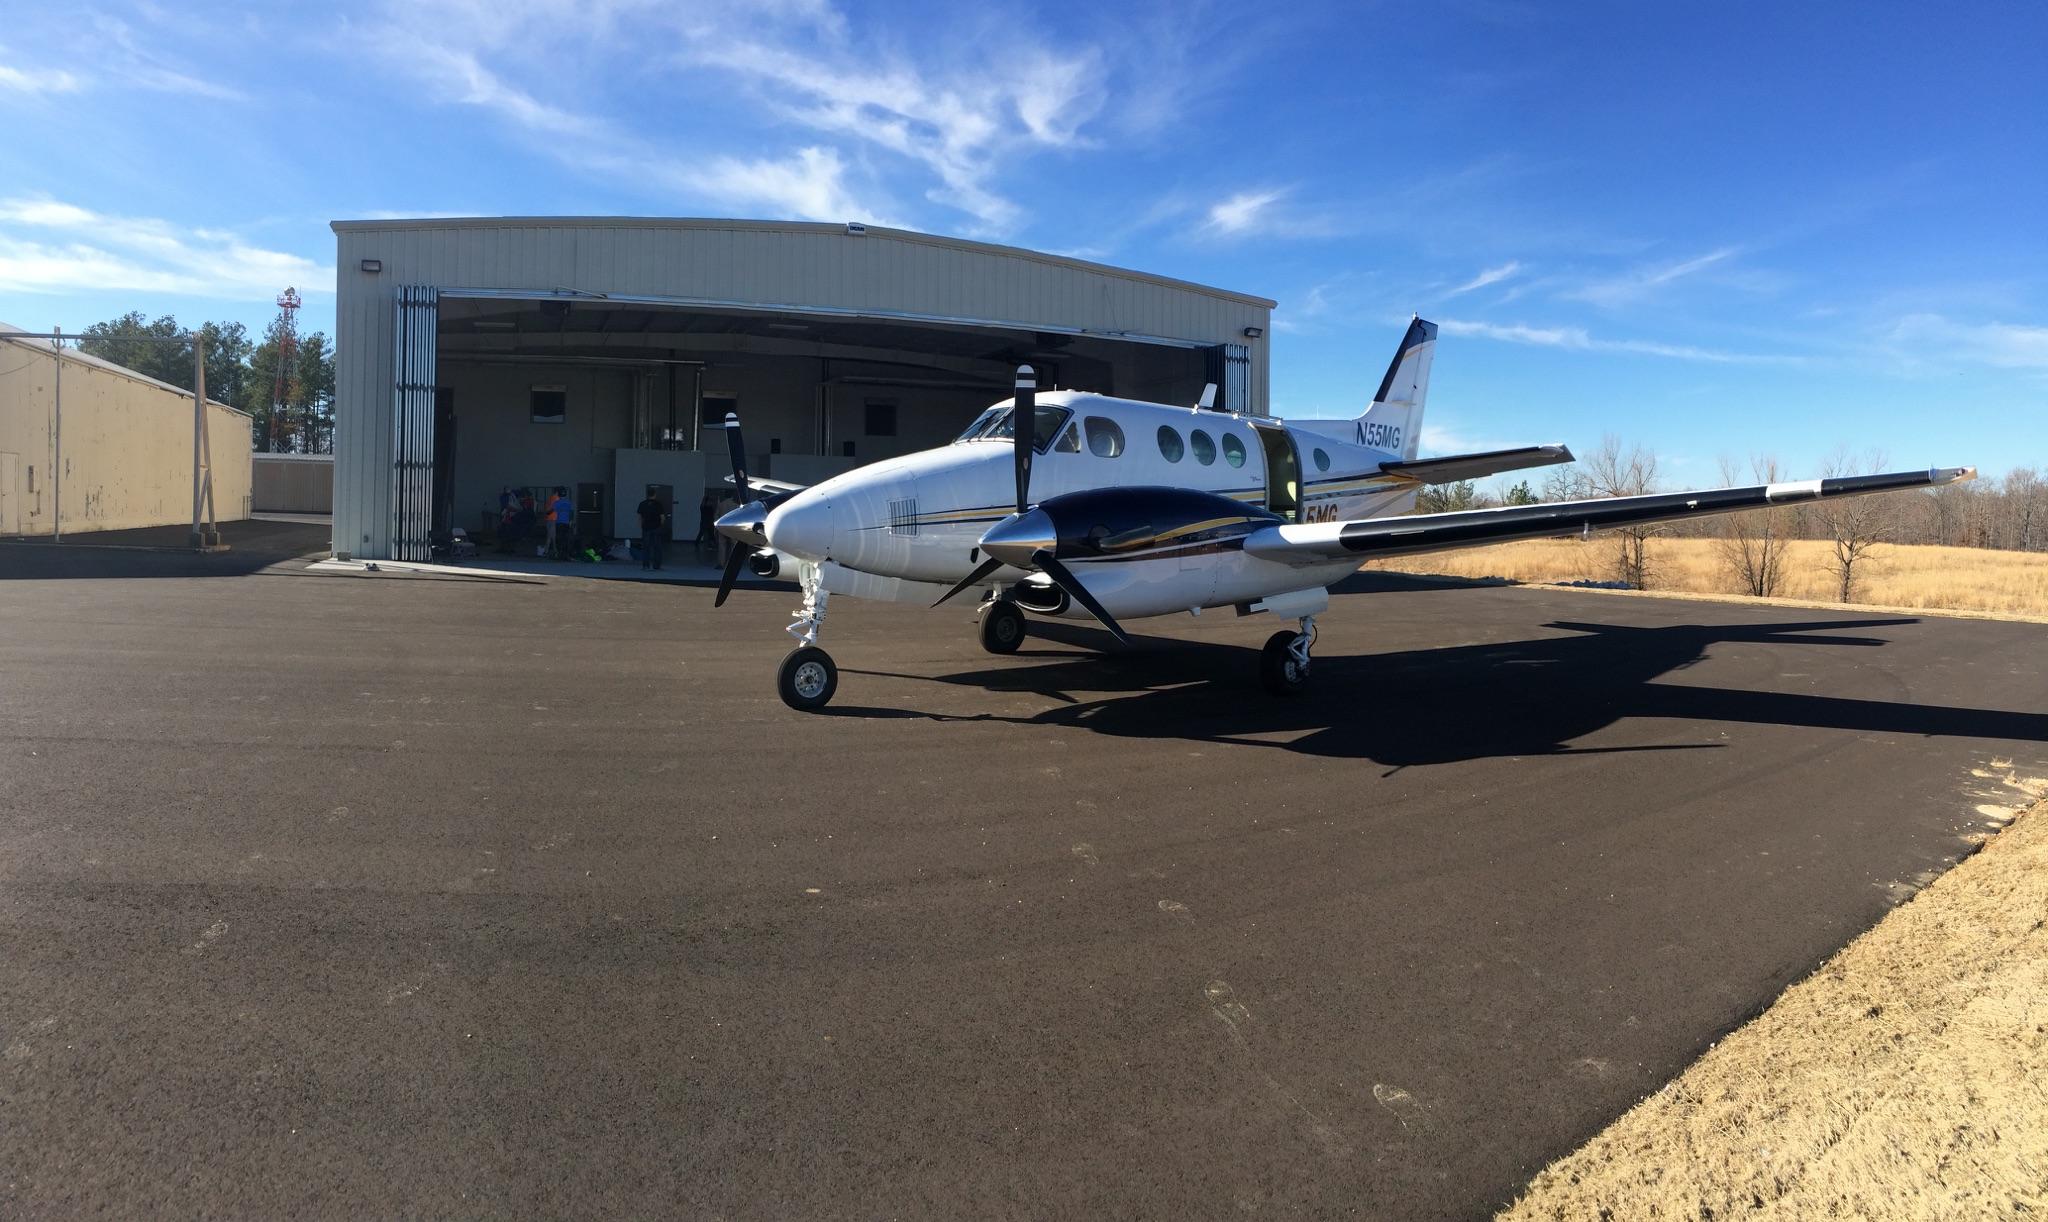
(1436, 706)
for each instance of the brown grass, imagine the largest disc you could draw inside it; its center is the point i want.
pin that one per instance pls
(1907, 1078)
(1896, 575)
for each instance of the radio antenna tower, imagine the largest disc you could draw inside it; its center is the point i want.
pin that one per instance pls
(286, 332)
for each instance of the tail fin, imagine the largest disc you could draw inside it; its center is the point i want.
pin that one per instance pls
(1394, 421)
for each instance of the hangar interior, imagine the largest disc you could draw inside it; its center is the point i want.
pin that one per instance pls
(606, 397)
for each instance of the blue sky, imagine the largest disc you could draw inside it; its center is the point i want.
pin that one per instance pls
(1715, 229)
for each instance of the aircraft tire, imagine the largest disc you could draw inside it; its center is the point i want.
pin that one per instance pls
(806, 679)
(1002, 627)
(1278, 670)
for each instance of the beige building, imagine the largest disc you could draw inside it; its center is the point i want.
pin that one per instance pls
(126, 458)
(600, 355)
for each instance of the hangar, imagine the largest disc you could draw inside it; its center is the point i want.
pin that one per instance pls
(595, 354)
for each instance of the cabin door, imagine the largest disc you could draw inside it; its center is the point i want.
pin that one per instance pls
(1283, 471)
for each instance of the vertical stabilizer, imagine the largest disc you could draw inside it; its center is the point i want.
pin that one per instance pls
(1394, 421)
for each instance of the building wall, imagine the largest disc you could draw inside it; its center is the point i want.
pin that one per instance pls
(127, 459)
(291, 483)
(768, 264)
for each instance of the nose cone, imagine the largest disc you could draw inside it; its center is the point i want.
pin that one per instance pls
(805, 526)
(747, 524)
(1013, 539)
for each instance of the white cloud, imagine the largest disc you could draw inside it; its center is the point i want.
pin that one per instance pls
(1492, 275)
(1241, 212)
(952, 123)
(37, 80)
(1580, 340)
(1936, 340)
(48, 246)
(1641, 283)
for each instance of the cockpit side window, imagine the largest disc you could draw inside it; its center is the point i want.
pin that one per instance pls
(1105, 437)
(995, 425)
(1070, 441)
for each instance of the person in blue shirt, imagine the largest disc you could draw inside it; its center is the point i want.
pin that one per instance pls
(561, 524)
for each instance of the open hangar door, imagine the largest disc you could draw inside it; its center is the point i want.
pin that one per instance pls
(605, 397)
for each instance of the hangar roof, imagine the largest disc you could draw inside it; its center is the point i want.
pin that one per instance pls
(9, 331)
(792, 227)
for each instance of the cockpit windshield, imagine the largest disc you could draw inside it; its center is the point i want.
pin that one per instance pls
(997, 424)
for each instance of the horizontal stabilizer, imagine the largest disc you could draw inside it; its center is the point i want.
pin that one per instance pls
(1456, 467)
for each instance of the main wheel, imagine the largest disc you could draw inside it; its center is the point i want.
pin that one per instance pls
(1002, 627)
(807, 679)
(1278, 669)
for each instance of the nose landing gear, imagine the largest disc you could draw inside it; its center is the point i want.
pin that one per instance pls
(807, 678)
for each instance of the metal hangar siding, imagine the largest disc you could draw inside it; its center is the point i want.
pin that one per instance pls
(400, 281)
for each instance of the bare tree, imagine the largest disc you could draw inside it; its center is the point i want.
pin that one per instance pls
(1753, 542)
(2025, 510)
(1613, 470)
(1854, 525)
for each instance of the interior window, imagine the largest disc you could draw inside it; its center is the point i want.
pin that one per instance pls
(1170, 443)
(1233, 450)
(1105, 438)
(1203, 445)
(1070, 441)
(1322, 460)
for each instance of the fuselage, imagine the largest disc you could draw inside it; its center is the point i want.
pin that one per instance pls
(920, 518)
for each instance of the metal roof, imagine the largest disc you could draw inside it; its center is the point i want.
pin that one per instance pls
(792, 227)
(8, 331)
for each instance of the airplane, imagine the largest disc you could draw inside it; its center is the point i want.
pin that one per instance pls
(1124, 509)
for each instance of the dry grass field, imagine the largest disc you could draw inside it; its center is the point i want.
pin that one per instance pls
(1893, 575)
(1906, 1079)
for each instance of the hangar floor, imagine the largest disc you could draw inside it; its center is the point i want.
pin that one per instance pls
(333, 896)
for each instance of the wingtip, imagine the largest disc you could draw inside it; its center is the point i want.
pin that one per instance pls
(1952, 475)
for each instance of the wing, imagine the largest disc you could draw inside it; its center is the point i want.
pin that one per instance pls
(1312, 543)
(1476, 466)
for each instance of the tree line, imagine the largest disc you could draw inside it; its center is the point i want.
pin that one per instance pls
(239, 372)
(2010, 513)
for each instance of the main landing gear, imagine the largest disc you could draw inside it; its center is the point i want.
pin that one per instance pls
(1283, 664)
(1002, 626)
(807, 677)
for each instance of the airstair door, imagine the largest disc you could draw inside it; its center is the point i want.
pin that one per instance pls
(1283, 471)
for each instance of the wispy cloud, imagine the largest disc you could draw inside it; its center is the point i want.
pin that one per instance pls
(49, 246)
(1933, 339)
(1241, 213)
(35, 80)
(138, 66)
(1639, 284)
(1492, 275)
(1580, 340)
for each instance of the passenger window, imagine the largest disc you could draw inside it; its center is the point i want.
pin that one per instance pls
(1322, 460)
(1170, 444)
(1233, 450)
(1204, 447)
(1070, 441)
(1105, 439)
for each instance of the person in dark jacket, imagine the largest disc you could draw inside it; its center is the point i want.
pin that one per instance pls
(653, 530)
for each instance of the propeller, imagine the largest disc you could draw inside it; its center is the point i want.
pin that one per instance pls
(1023, 444)
(1063, 577)
(741, 546)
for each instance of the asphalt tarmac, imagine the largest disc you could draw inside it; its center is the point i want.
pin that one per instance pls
(383, 895)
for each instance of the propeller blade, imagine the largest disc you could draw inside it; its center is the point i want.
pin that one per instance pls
(975, 578)
(1023, 426)
(738, 448)
(740, 552)
(1063, 577)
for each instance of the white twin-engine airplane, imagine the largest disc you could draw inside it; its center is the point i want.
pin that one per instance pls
(1124, 509)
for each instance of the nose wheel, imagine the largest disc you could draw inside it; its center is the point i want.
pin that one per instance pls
(806, 679)
(1002, 626)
